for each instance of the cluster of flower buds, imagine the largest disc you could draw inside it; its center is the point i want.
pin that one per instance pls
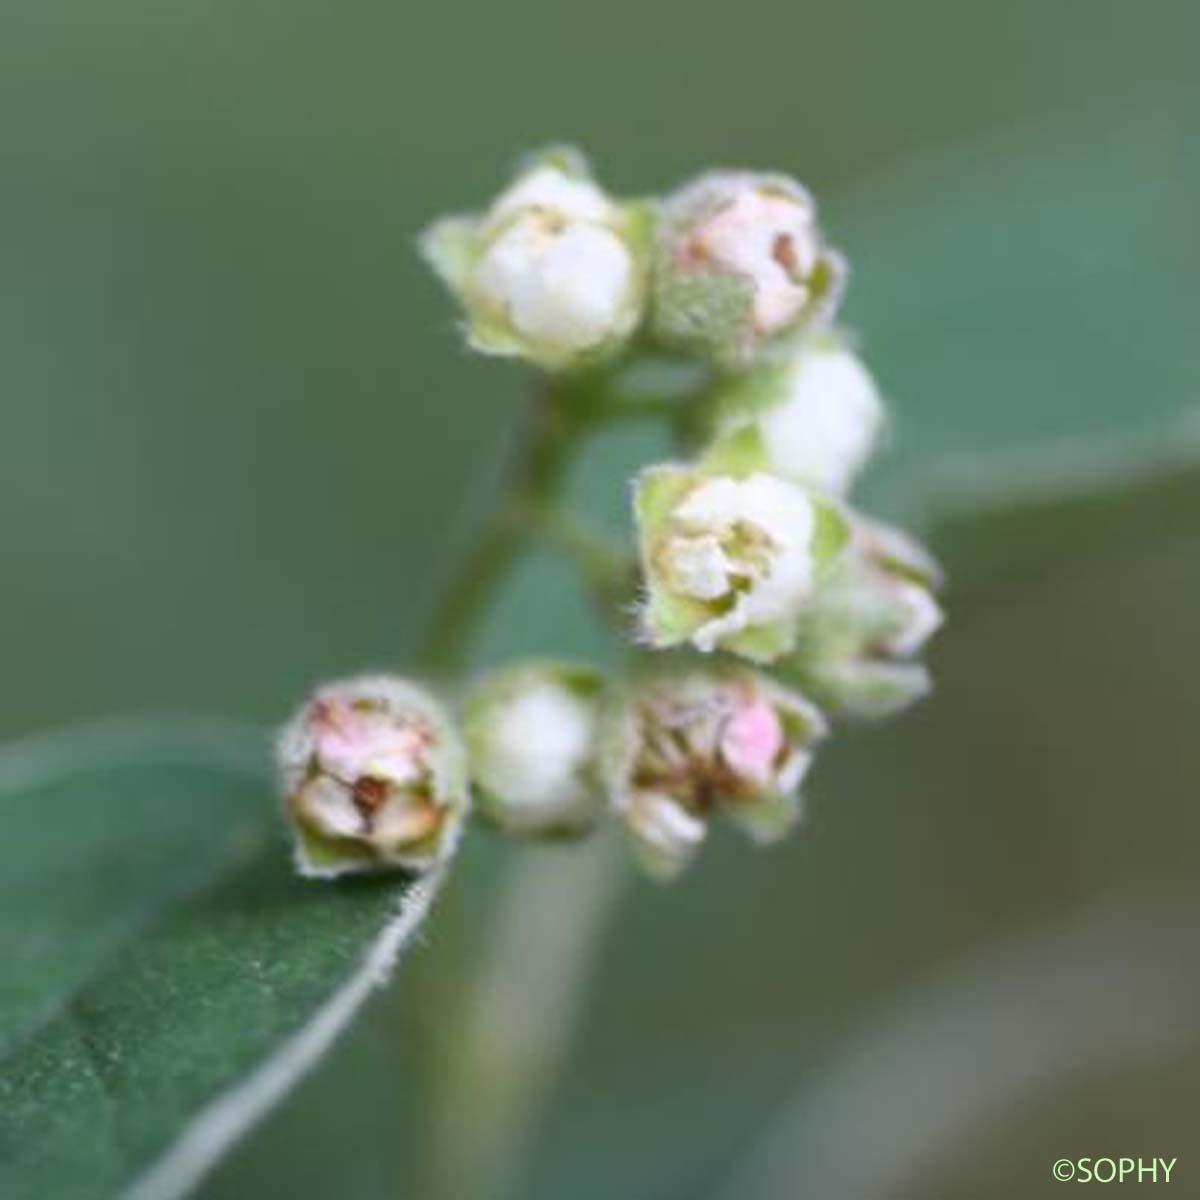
(749, 551)
(558, 272)
(374, 774)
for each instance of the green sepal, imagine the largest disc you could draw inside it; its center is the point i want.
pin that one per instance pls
(704, 312)
(562, 156)
(451, 247)
(768, 818)
(667, 619)
(763, 643)
(738, 452)
(863, 689)
(831, 534)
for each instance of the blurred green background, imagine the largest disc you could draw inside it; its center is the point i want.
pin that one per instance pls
(241, 444)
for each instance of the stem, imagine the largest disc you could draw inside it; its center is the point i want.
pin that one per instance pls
(608, 570)
(533, 485)
(514, 1026)
(517, 1022)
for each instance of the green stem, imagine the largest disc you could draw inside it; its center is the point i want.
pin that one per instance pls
(565, 411)
(534, 482)
(515, 1024)
(608, 570)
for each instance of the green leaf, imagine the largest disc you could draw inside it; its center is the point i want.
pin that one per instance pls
(1029, 308)
(167, 976)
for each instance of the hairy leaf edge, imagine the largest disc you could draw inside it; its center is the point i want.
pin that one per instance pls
(211, 1134)
(225, 1120)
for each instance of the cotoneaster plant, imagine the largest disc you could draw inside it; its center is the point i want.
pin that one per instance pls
(765, 604)
(170, 975)
(753, 607)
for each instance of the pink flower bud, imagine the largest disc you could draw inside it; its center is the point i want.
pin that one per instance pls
(373, 777)
(741, 261)
(752, 740)
(686, 746)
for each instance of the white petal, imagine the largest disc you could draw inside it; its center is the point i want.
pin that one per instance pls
(548, 188)
(330, 808)
(792, 771)
(772, 241)
(783, 514)
(568, 288)
(536, 745)
(664, 823)
(925, 619)
(401, 821)
(827, 425)
(697, 566)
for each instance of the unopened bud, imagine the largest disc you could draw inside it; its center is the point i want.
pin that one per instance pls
(740, 262)
(815, 418)
(869, 620)
(531, 740)
(554, 272)
(373, 777)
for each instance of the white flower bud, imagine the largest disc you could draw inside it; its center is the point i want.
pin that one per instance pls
(373, 777)
(683, 746)
(531, 732)
(741, 261)
(728, 562)
(819, 417)
(554, 272)
(870, 618)
(814, 418)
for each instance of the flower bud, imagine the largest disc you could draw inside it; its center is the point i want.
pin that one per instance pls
(870, 618)
(741, 261)
(729, 562)
(814, 418)
(554, 272)
(373, 777)
(531, 738)
(682, 746)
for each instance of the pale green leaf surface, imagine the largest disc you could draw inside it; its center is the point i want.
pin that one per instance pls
(1028, 297)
